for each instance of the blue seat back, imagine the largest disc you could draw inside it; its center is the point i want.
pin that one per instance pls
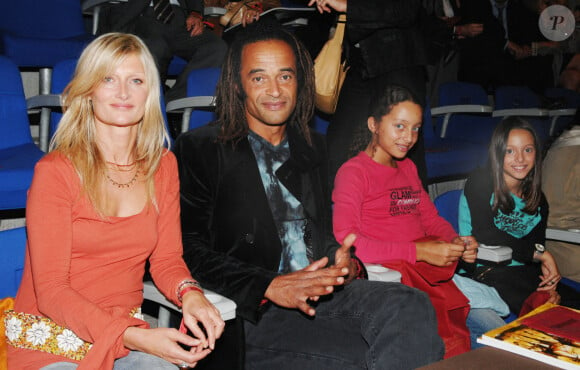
(514, 97)
(320, 123)
(39, 33)
(470, 127)
(570, 98)
(447, 205)
(176, 66)
(522, 97)
(62, 73)
(458, 93)
(202, 82)
(430, 137)
(42, 19)
(14, 123)
(12, 247)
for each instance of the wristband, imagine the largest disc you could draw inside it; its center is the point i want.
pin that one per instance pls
(187, 290)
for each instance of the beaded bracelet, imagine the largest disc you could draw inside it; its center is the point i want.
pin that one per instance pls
(186, 286)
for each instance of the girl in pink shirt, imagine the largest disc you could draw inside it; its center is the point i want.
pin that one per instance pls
(378, 196)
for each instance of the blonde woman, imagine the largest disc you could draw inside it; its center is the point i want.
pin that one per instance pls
(103, 202)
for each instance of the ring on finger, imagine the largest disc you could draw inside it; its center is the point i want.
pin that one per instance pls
(183, 365)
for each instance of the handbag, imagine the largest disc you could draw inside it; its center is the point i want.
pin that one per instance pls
(330, 70)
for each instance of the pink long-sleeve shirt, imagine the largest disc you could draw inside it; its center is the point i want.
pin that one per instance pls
(387, 208)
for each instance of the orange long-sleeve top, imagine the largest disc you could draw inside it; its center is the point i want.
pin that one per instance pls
(85, 272)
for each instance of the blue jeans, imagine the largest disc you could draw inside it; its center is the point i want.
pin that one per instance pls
(134, 360)
(480, 321)
(367, 325)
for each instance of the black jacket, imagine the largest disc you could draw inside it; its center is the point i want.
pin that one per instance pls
(478, 191)
(387, 34)
(230, 241)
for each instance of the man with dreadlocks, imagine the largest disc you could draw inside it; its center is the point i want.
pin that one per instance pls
(256, 225)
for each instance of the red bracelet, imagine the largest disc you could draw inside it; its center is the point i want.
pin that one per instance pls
(187, 290)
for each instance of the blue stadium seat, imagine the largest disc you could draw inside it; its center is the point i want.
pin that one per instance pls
(199, 104)
(447, 205)
(18, 153)
(449, 158)
(463, 113)
(38, 33)
(12, 247)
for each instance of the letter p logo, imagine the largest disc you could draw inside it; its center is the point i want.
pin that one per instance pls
(557, 23)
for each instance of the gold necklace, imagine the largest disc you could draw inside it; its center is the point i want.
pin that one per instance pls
(122, 167)
(125, 185)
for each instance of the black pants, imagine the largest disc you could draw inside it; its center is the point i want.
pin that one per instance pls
(515, 283)
(367, 325)
(167, 40)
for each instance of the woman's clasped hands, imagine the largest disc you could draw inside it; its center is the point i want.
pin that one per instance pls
(165, 342)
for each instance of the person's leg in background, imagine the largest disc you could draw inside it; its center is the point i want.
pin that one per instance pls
(480, 321)
(154, 35)
(201, 51)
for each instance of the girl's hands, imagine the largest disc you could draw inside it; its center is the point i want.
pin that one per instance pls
(470, 244)
(439, 253)
(550, 273)
(197, 309)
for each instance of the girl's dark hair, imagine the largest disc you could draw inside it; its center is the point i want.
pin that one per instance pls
(531, 187)
(380, 105)
(230, 95)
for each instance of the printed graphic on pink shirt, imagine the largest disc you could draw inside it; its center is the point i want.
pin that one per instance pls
(404, 201)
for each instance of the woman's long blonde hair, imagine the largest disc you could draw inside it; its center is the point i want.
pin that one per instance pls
(75, 136)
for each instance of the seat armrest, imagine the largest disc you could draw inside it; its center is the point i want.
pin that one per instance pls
(190, 102)
(448, 110)
(187, 105)
(44, 101)
(526, 112)
(571, 235)
(378, 272)
(461, 108)
(557, 113)
(562, 112)
(214, 11)
(226, 306)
